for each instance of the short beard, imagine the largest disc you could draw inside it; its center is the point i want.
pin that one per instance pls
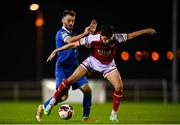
(70, 28)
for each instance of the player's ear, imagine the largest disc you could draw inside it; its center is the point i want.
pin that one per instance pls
(62, 20)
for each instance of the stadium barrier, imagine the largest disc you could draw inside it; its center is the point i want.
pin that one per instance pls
(134, 90)
(20, 90)
(143, 89)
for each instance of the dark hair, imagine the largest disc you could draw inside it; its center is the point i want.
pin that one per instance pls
(107, 30)
(69, 12)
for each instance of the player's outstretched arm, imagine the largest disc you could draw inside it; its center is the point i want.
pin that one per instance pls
(135, 34)
(67, 46)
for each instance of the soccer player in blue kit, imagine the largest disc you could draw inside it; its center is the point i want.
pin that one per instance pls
(67, 62)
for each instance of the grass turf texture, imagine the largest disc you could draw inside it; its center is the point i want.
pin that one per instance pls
(129, 112)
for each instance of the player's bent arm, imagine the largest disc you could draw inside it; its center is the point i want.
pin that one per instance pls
(75, 38)
(90, 29)
(135, 34)
(67, 46)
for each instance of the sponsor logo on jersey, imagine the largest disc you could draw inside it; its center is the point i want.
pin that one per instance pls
(104, 52)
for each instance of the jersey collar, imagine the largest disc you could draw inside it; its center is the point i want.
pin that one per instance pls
(66, 29)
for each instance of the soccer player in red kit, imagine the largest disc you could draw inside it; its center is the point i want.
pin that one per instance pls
(103, 46)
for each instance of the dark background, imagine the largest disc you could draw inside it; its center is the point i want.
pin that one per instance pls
(18, 35)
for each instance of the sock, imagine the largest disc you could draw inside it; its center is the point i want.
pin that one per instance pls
(48, 101)
(117, 98)
(113, 112)
(64, 87)
(52, 101)
(86, 105)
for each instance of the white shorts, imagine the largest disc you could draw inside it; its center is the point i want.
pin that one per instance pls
(92, 63)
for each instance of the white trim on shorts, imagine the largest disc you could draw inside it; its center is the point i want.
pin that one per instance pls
(91, 63)
(106, 74)
(84, 66)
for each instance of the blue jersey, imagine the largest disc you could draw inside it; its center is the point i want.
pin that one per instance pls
(67, 60)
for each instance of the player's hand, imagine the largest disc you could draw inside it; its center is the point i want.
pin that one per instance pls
(93, 26)
(53, 54)
(87, 30)
(151, 31)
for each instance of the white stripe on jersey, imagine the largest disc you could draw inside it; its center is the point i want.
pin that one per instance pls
(86, 41)
(65, 35)
(120, 37)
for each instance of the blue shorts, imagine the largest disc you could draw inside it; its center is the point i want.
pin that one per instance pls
(62, 75)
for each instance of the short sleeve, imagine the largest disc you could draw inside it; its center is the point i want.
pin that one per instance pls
(64, 35)
(86, 41)
(120, 37)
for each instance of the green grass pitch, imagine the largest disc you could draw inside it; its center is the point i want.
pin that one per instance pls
(129, 113)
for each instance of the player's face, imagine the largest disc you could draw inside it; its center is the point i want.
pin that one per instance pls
(106, 39)
(68, 22)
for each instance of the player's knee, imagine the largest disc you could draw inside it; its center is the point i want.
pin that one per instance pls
(63, 98)
(88, 91)
(119, 88)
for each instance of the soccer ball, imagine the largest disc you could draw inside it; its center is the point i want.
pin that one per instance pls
(66, 111)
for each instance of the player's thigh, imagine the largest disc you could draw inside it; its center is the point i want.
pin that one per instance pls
(115, 79)
(77, 74)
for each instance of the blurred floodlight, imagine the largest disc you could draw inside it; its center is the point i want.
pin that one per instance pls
(155, 56)
(39, 22)
(125, 55)
(138, 55)
(169, 55)
(34, 7)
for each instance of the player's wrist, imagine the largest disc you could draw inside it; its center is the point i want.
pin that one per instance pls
(84, 34)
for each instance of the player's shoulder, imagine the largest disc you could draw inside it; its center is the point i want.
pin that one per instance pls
(95, 37)
(117, 35)
(62, 33)
(121, 37)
